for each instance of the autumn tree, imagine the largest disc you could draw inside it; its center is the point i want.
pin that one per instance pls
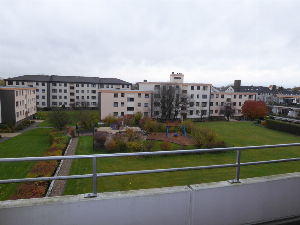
(87, 118)
(2, 82)
(254, 109)
(227, 110)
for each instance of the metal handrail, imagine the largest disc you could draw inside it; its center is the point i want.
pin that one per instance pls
(95, 175)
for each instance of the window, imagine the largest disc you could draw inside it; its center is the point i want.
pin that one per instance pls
(234, 96)
(23, 83)
(43, 90)
(93, 91)
(203, 112)
(122, 104)
(37, 97)
(216, 111)
(145, 113)
(37, 90)
(82, 97)
(123, 86)
(60, 91)
(191, 104)
(234, 103)
(60, 103)
(37, 83)
(93, 103)
(17, 104)
(77, 91)
(197, 103)
(107, 86)
(60, 97)
(54, 97)
(211, 104)
(101, 85)
(240, 96)
(65, 85)
(65, 97)
(146, 105)
(115, 104)
(198, 87)
(65, 91)
(122, 95)
(54, 103)
(156, 113)
(88, 97)
(122, 113)
(82, 91)
(65, 103)
(240, 104)
(250, 96)
(53, 84)
(217, 103)
(157, 87)
(217, 95)
(93, 85)
(191, 112)
(212, 96)
(146, 95)
(130, 99)
(87, 91)
(222, 96)
(130, 108)
(204, 96)
(177, 78)
(204, 104)
(77, 97)
(93, 97)
(82, 85)
(197, 112)
(43, 84)
(222, 103)
(184, 91)
(192, 88)
(192, 95)
(139, 104)
(204, 88)
(43, 96)
(198, 96)
(156, 104)
(139, 95)
(115, 113)
(87, 85)
(112, 86)
(54, 90)
(127, 86)
(77, 85)
(10, 83)
(211, 111)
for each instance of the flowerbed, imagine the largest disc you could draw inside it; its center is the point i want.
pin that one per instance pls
(42, 169)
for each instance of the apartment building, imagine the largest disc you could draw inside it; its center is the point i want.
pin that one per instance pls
(70, 91)
(219, 99)
(17, 104)
(192, 98)
(123, 102)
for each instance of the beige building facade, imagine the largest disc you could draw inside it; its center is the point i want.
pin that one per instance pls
(124, 102)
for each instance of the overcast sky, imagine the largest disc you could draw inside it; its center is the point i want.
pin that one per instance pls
(213, 42)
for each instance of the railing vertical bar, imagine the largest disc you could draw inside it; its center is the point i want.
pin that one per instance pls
(238, 168)
(95, 176)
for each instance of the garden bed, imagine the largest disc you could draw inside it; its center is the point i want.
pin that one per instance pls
(181, 140)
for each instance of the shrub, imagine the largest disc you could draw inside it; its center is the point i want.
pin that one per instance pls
(71, 131)
(165, 146)
(120, 142)
(148, 145)
(136, 145)
(137, 117)
(283, 127)
(100, 139)
(109, 120)
(112, 146)
(189, 126)
(203, 136)
(30, 190)
(130, 135)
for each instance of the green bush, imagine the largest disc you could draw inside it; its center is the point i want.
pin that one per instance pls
(136, 145)
(283, 127)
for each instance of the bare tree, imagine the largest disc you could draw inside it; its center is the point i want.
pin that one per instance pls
(227, 110)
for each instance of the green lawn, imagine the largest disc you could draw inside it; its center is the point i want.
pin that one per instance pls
(45, 115)
(237, 134)
(29, 144)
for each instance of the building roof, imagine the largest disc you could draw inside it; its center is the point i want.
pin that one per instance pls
(113, 81)
(30, 78)
(258, 89)
(74, 79)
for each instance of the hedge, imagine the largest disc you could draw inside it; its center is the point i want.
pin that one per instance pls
(283, 126)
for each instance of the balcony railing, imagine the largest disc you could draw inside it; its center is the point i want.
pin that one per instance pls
(95, 175)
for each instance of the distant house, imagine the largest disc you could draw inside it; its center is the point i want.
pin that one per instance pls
(17, 104)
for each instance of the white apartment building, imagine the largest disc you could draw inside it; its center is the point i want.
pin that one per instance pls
(70, 91)
(194, 97)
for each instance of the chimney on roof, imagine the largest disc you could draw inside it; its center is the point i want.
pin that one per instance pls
(237, 86)
(145, 80)
(172, 72)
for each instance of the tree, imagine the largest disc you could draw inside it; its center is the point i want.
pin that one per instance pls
(2, 82)
(254, 109)
(170, 99)
(59, 118)
(87, 119)
(227, 110)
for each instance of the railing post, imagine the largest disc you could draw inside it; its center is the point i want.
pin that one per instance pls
(94, 194)
(238, 168)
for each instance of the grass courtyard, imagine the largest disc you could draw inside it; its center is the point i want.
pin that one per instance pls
(234, 134)
(32, 143)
